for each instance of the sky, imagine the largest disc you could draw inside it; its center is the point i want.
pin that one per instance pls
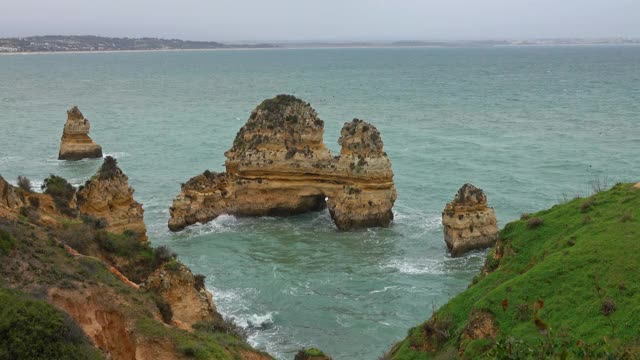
(326, 20)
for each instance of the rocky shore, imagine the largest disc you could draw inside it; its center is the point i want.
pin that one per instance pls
(86, 253)
(279, 165)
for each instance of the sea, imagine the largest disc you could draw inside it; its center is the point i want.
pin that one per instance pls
(532, 126)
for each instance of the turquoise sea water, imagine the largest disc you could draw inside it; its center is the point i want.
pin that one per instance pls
(529, 125)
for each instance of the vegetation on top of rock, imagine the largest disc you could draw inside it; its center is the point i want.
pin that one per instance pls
(109, 169)
(279, 102)
(24, 183)
(34, 329)
(311, 353)
(568, 289)
(7, 242)
(61, 191)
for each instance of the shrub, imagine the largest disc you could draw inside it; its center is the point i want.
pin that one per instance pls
(626, 217)
(524, 312)
(94, 222)
(608, 307)
(221, 325)
(587, 205)
(34, 202)
(305, 354)
(109, 169)
(586, 220)
(24, 183)
(61, 191)
(164, 308)
(525, 216)
(534, 222)
(7, 242)
(199, 282)
(163, 254)
(33, 329)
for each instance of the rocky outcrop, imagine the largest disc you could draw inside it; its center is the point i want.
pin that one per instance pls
(76, 143)
(468, 222)
(107, 196)
(10, 196)
(279, 165)
(189, 300)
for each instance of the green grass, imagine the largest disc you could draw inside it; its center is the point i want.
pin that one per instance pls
(197, 344)
(34, 329)
(314, 352)
(573, 266)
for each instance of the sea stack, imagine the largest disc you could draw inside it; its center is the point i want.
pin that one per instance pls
(107, 196)
(279, 165)
(76, 143)
(468, 222)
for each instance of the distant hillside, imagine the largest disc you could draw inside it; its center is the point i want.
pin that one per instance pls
(58, 43)
(559, 284)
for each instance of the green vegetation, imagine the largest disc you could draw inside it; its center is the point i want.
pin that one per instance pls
(204, 342)
(7, 242)
(554, 286)
(62, 192)
(33, 329)
(311, 353)
(24, 183)
(109, 169)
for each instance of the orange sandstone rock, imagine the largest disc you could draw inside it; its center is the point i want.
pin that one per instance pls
(279, 165)
(108, 196)
(76, 143)
(468, 222)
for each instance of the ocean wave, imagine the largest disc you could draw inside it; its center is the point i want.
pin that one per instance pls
(432, 267)
(222, 224)
(117, 154)
(385, 289)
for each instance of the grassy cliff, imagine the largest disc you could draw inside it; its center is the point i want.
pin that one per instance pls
(561, 283)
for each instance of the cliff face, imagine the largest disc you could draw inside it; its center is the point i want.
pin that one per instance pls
(279, 165)
(76, 143)
(468, 222)
(90, 259)
(108, 196)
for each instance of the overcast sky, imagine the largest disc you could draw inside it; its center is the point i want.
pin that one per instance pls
(269, 20)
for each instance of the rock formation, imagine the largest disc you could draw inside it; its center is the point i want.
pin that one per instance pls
(76, 143)
(190, 302)
(279, 165)
(107, 196)
(468, 222)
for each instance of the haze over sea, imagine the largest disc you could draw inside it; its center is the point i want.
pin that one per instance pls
(529, 125)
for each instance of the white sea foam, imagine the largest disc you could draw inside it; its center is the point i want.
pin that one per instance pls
(117, 154)
(382, 290)
(408, 267)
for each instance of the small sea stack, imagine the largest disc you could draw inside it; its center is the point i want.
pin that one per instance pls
(468, 222)
(76, 143)
(279, 165)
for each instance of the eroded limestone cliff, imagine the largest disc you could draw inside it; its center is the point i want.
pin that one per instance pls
(86, 253)
(108, 196)
(279, 165)
(76, 143)
(468, 222)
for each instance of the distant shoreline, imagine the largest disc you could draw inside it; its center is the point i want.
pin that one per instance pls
(312, 47)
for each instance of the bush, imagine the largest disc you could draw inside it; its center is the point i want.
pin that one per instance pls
(24, 183)
(164, 308)
(61, 191)
(33, 329)
(7, 242)
(34, 202)
(221, 325)
(608, 307)
(109, 169)
(199, 282)
(587, 205)
(534, 222)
